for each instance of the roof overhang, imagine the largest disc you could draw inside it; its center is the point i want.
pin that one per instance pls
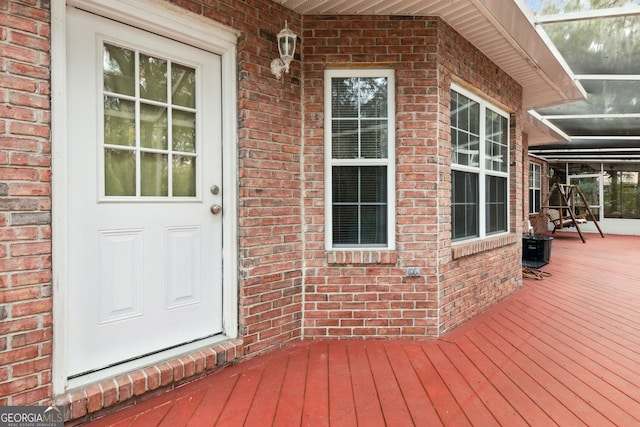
(502, 29)
(539, 133)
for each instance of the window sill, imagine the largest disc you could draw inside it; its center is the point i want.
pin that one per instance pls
(360, 257)
(463, 249)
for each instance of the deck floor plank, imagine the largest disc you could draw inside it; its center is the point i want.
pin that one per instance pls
(561, 351)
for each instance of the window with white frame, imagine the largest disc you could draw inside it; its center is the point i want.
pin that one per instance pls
(360, 158)
(535, 187)
(480, 166)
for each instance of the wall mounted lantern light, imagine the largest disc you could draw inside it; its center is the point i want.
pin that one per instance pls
(287, 48)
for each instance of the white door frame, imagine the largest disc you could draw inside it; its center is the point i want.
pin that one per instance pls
(170, 21)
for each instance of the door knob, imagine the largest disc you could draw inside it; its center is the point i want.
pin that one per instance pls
(216, 209)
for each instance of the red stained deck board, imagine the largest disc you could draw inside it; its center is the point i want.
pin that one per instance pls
(517, 397)
(503, 357)
(316, 401)
(420, 406)
(292, 393)
(561, 351)
(214, 401)
(341, 404)
(500, 407)
(615, 389)
(265, 402)
(467, 399)
(446, 406)
(235, 411)
(365, 395)
(593, 404)
(392, 402)
(182, 410)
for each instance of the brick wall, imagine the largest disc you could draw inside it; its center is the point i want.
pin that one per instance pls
(370, 295)
(25, 204)
(269, 193)
(280, 194)
(269, 189)
(487, 274)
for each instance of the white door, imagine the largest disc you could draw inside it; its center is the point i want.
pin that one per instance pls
(144, 171)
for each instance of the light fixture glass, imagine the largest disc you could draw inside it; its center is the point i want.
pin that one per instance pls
(287, 49)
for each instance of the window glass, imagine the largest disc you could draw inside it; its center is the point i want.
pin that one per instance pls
(149, 132)
(480, 167)
(465, 205)
(535, 187)
(621, 192)
(359, 150)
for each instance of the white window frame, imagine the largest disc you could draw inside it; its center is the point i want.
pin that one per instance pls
(532, 179)
(482, 170)
(389, 162)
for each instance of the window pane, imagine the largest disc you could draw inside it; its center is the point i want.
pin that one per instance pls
(496, 143)
(374, 139)
(154, 174)
(183, 131)
(344, 139)
(153, 78)
(119, 70)
(345, 184)
(184, 176)
(465, 132)
(373, 97)
(120, 172)
(464, 205)
(373, 222)
(119, 122)
(362, 193)
(345, 225)
(153, 127)
(344, 97)
(496, 204)
(183, 85)
(373, 184)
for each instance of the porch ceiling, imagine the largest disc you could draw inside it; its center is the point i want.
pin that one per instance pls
(499, 28)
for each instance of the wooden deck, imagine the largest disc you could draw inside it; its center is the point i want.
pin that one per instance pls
(562, 351)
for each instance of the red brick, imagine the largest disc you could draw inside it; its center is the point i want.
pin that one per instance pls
(38, 396)
(18, 385)
(31, 307)
(26, 324)
(26, 293)
(22, 249)
(13, 356)
(94, 398)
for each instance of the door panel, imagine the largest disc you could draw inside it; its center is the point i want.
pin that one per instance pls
(144, 250)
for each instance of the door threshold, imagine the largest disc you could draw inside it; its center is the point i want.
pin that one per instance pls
(113, 371)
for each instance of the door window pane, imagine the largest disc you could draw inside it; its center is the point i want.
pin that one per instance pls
(158, 126)
(119, 121)
(120, 172)
(153, 78)
(184, 131)
(155, 175)
(183, 85)
(184, 176)
(119, 70)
